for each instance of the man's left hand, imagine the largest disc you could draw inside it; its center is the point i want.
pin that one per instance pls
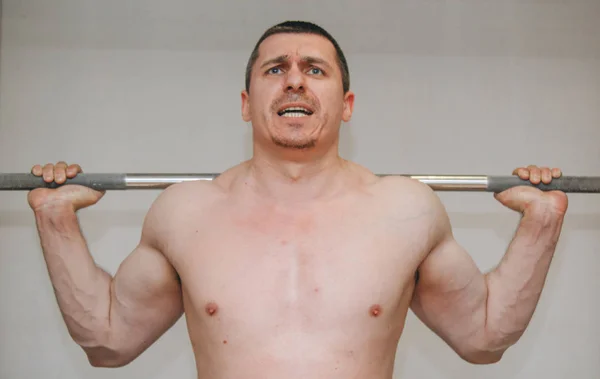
(529, 199)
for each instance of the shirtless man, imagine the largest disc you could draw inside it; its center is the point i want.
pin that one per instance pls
(296, 263)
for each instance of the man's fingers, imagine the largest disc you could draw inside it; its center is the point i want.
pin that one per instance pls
(546, 175)
(60, 174)
(73, 170)
(36, 170)
(556, 173)
(48, 172)
(535, 174)
(522, 172)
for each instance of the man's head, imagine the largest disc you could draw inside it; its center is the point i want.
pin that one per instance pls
(300, 27)
(297, 87)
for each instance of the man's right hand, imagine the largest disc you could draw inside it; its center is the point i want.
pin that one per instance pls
(67, 196)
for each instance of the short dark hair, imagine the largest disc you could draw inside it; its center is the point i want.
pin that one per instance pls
(300, 27)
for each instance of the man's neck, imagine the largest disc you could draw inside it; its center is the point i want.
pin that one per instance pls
(288, 178)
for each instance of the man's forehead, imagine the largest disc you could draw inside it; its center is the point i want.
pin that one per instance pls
(296, 45)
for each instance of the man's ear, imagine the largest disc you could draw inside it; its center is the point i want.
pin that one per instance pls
(348, 106)
(246, 106)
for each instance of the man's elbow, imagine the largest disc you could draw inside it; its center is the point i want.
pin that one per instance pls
(108, 363)
(487, 352)
(104, 357)
(482, 357)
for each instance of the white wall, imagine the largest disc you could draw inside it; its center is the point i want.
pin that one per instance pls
(442, 87)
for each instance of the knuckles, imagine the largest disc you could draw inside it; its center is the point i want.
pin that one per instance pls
(549, 206)
(45, 200)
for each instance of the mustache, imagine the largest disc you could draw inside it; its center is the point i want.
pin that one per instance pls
(294, 98)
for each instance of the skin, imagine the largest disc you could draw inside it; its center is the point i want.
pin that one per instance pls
(296, 263)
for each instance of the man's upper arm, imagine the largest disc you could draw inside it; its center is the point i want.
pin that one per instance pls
(451, 292)
(145, 292)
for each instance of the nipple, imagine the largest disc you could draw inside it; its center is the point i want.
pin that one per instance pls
(375, 310)
(211, 308)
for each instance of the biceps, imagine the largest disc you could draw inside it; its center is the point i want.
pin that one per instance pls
(146, 298)
(447, 270)
(451, 292)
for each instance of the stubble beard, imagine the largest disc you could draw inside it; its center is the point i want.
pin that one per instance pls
(294, 143)
(287, 139)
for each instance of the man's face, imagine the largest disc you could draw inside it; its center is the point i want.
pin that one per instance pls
(296, 95)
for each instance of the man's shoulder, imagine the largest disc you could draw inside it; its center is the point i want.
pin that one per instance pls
(176, 208)
(410, 198)
(197, 195)
(186, 195)
(410, 201)
(406, 188)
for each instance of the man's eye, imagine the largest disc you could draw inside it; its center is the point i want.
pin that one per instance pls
(315, 71)
(275, 70)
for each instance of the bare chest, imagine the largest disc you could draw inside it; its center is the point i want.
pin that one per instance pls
(313, 269)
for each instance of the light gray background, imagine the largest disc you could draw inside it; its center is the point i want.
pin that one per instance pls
(453, 87)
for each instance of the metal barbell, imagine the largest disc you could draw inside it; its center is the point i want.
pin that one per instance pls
(137, 181)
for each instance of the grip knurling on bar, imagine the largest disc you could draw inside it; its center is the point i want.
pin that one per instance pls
(571, 184)
(26, 182)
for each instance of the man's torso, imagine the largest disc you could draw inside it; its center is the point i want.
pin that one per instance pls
(317, 290)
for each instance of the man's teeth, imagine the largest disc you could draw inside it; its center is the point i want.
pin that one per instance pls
(295, 109)
(294, 114)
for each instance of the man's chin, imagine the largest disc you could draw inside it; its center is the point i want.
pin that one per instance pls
(294, 144)
(295, 135)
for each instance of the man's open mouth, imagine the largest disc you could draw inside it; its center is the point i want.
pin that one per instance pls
(295, 112)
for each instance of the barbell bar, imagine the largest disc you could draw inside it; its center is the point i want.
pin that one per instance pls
(137, 181)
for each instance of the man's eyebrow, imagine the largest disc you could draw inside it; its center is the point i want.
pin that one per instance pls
(284, 58)
(277, 60)
(311, 60)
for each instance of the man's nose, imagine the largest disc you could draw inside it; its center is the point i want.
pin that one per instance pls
(294, 79)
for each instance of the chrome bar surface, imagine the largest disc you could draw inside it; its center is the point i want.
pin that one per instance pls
(436, 182)
(453, 182)
(161, 181)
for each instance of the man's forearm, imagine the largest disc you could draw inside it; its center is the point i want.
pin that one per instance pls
(82, 289)
(515, 286)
